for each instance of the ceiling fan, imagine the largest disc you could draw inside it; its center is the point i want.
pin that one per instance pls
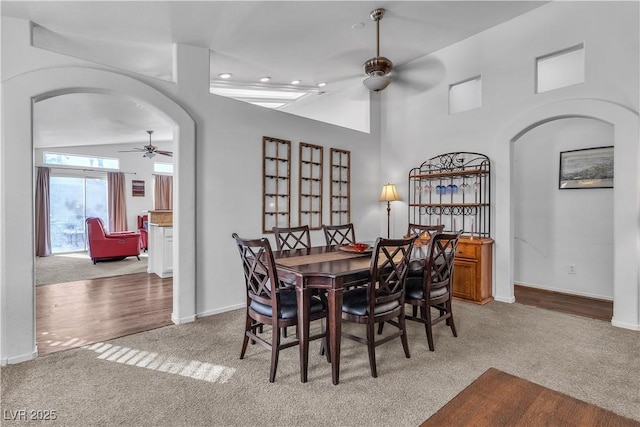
(149, 150)
(418, 75)
(379, 67)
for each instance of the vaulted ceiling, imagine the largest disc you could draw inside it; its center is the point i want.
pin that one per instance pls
(311, 41)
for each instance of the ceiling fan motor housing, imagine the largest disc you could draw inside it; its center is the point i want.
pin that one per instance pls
(378, 66)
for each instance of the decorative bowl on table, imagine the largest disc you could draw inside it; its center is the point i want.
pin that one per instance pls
(356, 247)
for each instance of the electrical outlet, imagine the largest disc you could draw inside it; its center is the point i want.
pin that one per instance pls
(571, 269)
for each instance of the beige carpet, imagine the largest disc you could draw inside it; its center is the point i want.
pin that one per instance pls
(78, 266)
(190, 374)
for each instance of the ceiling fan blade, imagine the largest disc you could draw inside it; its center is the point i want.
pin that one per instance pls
(420, 75)
(135, 150)
(165, 153)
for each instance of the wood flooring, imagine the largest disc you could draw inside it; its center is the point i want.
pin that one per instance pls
(500, 399)
(74, 314)
(70, 315)
(566, 303)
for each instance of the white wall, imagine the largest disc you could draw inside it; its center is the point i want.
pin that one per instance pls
(227, 170)
(348, 108)
(417, 126)
(556, 228)
(133, 164)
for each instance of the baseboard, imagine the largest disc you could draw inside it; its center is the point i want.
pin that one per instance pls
(188, 319)
(623, 325)
(18, 359)
(221, 310)
(179, 321)
(564, 291)
(502, 299)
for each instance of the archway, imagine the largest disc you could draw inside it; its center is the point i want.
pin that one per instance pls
(17, 322)
(626, 197)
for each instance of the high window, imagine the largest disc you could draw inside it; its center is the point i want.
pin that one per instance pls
(560, 69)
(80, 161)
(159, 167)
(465, 95)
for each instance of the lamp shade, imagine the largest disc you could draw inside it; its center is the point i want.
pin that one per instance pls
(376, 83)
(389, 193)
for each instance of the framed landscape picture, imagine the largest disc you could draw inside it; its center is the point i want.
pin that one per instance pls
(586, 168)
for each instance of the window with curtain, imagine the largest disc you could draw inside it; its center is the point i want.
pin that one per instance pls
(163, 192)
(73, 197)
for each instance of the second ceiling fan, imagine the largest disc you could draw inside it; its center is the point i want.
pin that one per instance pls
(149, 150)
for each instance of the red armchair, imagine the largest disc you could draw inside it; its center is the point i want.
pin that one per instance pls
(104, 245)
(143, 224)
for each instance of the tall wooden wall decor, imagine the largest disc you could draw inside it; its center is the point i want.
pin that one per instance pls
(340, 186)
(310, 186)
(276, 183)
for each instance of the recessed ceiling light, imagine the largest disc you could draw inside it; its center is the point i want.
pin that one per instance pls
(295, 82)
(225, 75)
(357, 26)
(323, 84)
(264, 79)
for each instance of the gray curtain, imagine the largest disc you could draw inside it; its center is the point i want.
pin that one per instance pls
(43, 234)
(163, 192)
(117, 199)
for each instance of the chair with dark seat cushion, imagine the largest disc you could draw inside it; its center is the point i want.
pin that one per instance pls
(269, 305)
(421, 249)
(292, 237)
(339, 234)
(433, 289)
(382, 298)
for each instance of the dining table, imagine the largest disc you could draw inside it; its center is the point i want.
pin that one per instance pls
(330, 269)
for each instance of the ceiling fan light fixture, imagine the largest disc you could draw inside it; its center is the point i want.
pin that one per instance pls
(377, 83)
(149, 154)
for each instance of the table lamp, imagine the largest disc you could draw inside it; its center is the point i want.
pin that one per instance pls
(389, 194)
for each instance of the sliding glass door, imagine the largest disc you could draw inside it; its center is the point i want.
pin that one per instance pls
(73, 199)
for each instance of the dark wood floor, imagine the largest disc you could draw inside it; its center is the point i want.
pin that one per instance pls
(500, 399)
(70, 315)
(573, 304)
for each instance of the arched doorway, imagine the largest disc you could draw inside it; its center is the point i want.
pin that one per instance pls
(563, 239)
(626, 229)
(17, 324)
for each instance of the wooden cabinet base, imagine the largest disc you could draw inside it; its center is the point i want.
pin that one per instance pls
(472, 270)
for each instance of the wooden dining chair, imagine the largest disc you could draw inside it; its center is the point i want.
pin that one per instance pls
(269, 303)
(292, 237)
(424, 232)
(421, 249)
(382, 298)
(339, 234)
(433, 290)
